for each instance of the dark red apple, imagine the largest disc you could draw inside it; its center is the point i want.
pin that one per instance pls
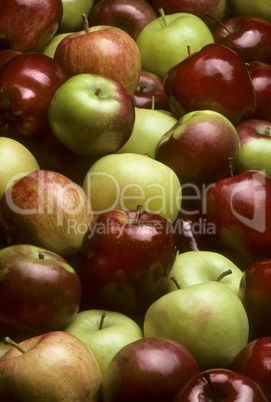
(150, 369)
(261, 80)
(130, 15)
(6, 55)
(214, 78)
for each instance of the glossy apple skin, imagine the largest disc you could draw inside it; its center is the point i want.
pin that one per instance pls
(255, 292)
(46, 209)
(239, 207)
(130, 15)
(27, 84)
(254, 361)
(250, 37)
(214, 78)
(150, 85)
(228, 386)
(28, 37)
(113, 53)
(126, 260)
(152, 369)
(261, 80)
(30, 300)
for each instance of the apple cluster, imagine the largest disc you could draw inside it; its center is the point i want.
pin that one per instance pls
(135, 200)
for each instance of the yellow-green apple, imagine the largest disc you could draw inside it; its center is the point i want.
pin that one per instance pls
(214, 78)
(220, 384)
(193, 267)
(130, 15)
(30, 297)
(153, 369)
(29, 37)
(250, 8)
(260, 74)
(113, 53)
(27, 84)
(160, 45)
(92, 114)
(198, 147)
(15, 161)
(255, 140)
(54, 366)
(126, 259)
(208, 319)
(150, 125)
(124, 181)
(254, 361)
(50, 48)
(105, 332)
(46, 209)
(73, 10)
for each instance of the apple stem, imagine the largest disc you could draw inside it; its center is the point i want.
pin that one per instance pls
(267, 131)
(41, 256)
(208, 379)
(218, 21)
(85, 23)
(161, 11)
(8, 341)
(223, 274)
(230, 166)
(189, 50)
(143, 86)
(153, 102)
(176, 282)
(98, 91)
(102, 321)
(138, 212)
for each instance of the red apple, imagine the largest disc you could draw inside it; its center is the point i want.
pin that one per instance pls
(250, 37)
(221, 385)
(27, 84)
(129, 15)
(126, 259)
(30, 296)
(261, 80)
(255, 293)
(46, 209)
(28, 25)
(150, 369)
(214, 78)
(254, 361)
(113, 53)
(6, 55)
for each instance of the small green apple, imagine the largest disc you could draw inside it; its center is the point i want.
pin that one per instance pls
(194, 267)
(124, 181)
(165, 41)
(72, 14)
(208, 319)
(50, 48)
(150, 125)
(251, 8)
(104, 332)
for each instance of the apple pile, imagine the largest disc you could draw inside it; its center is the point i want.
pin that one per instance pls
(135, 200)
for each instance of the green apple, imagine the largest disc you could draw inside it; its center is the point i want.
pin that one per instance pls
(251, 8)
(150, 125)
(124, 181)
(194, 267)
(104, 332)
(15, 161)
(50, 48)
(165, 41)
(72, 14)
(208, 319)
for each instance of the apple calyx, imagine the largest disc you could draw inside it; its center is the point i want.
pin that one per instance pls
(8, 341)
(163, 15)
(223, 274)
(41, 256)
(208, 379)
(102, 320)
(267, 131)
(176, 282)
(85, 23)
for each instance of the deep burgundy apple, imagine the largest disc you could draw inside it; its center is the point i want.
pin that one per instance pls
(27, 84)
(255, 292)
(250, 37)
(6, 55)
(254, 361)
(239, 208)
(261, 80)
(150, 92)
(39, 290)
(130, 15)
(221, 385)
(150, 369)
(113, 53)
(28, 25)
(126, 259)
(214, 78)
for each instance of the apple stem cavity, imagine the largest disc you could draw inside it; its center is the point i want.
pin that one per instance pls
(8, 341)
(162, 13)
(176, 282)
(268, 131)
(85, 23)
(102, 320)
(223, 274)
(208, 379)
